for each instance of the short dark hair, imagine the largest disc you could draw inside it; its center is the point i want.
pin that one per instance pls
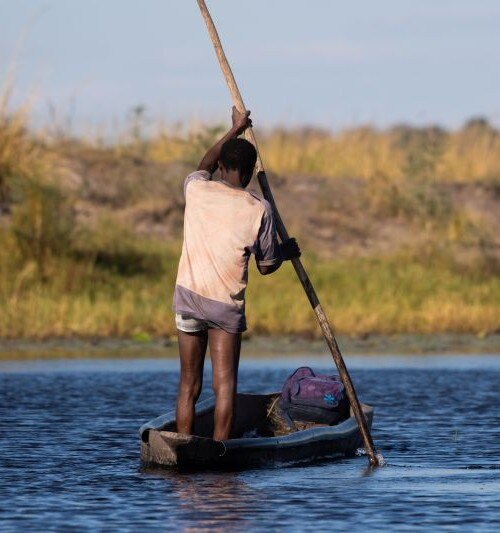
(238, 154)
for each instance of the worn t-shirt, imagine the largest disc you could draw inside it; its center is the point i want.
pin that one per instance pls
(223, 226)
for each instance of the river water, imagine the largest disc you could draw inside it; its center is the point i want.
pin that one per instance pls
(70, 452)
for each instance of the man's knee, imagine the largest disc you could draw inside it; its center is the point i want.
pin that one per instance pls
(190, 388)
(223, 389)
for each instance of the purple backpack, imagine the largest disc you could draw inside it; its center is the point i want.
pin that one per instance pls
(308, 397)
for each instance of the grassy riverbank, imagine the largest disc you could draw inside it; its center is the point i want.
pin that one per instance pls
(254, 347)
(403, 293)
(400, 230)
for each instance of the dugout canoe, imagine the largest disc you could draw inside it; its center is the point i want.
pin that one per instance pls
(252, 443)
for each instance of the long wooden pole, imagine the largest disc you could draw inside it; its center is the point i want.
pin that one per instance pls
(283, 233)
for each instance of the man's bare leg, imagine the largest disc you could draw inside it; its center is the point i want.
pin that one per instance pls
(225, 354)
(192, 349)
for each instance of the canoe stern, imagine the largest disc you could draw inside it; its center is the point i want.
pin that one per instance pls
(174, 449)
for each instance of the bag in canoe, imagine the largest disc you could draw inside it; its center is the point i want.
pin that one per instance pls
(310, 397)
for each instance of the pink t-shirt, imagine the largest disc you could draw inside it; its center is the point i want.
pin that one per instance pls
(223, 226)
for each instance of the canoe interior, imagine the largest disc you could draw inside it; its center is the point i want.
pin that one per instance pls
(251, 417)
(254, 440)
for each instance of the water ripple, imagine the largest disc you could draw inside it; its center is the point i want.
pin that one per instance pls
(70, 455)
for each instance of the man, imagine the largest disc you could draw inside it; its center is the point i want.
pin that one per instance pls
(223, 225)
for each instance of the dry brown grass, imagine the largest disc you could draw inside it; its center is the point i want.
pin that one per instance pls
(79, 256)
(467, 155)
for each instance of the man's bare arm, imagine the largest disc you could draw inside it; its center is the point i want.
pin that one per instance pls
(288, 250)
(241, 122)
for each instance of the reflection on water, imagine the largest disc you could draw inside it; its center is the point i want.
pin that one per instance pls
(70, 452)
(214, 498)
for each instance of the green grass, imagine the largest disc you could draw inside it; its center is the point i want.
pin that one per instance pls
(397, 294)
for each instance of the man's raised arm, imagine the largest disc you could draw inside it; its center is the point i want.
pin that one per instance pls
(241, 122)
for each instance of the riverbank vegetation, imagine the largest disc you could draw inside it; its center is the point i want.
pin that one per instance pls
(400, 229)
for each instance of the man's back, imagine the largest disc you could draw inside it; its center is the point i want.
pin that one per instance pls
(223, 225)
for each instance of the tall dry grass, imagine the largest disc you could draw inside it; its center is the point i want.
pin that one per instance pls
(59, 278)
(471, 153)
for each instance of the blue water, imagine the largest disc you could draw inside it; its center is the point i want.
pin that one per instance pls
(70, 452)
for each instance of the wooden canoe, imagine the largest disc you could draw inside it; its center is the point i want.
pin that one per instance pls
(252, 442)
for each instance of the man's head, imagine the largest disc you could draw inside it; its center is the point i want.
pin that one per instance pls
(238, 155)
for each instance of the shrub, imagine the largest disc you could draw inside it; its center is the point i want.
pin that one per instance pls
(42, 222)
